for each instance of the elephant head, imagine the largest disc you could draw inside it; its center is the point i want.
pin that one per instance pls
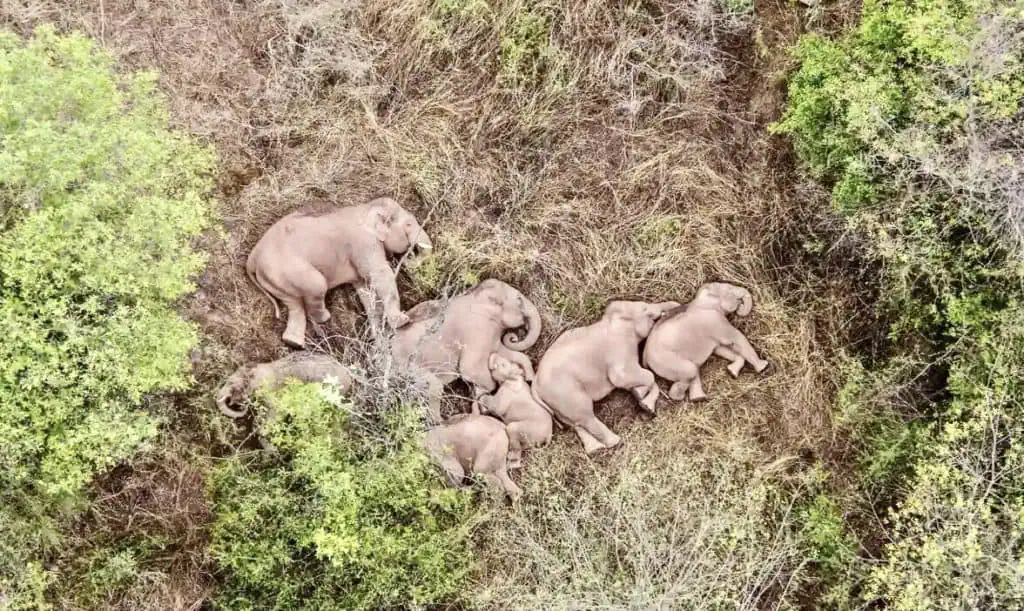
(727, 298)
(516, 311)
(503, 370)
(397, 228)
(639, 314)
(233, 393)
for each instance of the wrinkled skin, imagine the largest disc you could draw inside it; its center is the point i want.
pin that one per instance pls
(584, 365)
(445, 343)
(303, 255)
(302, 366)
(472, 443)
(682, 341)
(527, 423)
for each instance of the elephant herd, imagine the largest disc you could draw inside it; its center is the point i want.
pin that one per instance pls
(474, 337)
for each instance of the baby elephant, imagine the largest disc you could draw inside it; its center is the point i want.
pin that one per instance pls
(304, 255)
(302, 366)
(471, 443)
(527, 423)
(683, 340)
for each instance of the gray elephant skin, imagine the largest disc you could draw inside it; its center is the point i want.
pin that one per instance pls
(303, 255)
(445, 342)
(585, 364)
(683, 340)
(302, 366)
(473, 443)
(527, 423)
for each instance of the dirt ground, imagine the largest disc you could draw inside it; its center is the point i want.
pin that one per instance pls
(623, 151)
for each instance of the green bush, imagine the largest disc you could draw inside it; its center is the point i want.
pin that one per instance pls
(914, 119)
(336, 518)
(99, 202)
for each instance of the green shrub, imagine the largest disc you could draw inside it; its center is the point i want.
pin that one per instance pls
(914, 119)
(336, 518)
(99, 202)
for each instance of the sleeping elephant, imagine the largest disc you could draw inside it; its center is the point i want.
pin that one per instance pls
(304, 255)
(452, 341)
(683, 340)
(584, 365)
(527, 423)
(471, 443)
(303, 366)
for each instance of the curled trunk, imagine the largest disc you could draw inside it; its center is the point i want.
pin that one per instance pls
(746, 302)
(533, 327)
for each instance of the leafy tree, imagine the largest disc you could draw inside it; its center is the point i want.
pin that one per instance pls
(337, 518)
(914, 118)
(99, 203)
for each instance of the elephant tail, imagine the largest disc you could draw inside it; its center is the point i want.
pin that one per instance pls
(554, 416)
(250, 270)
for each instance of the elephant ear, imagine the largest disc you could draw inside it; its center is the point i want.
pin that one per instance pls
(380, 221)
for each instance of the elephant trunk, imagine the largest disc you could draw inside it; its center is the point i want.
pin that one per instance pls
(533, 326)
(420, 245)
(746, 302)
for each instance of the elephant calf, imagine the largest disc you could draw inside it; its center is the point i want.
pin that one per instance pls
(682, 341)
(585, 364)
(302, 366)
(304, 255)
(527, 423)
(472, 443)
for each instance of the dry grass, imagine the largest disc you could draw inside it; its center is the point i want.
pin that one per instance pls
(579, 149)
(686, 516)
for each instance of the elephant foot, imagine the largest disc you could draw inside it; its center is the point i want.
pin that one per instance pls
(590, 443)
(297, 342)
(399, 320)
(763, 365)
(697, 397)
(515, 461)
(677, 392)
(321, 318)
(735, 367)
(650, 402)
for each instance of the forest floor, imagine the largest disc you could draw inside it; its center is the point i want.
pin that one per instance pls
(575, 153)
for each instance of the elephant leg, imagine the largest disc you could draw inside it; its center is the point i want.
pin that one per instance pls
(596, 431)
(637, 380)
(745, 350)
(382, 283)
(683, 373)
(515, 445)
(435, 389)
(295, 332)
(483, 404)
(696, 391)
(453, 470)
(316, 309)
(649, 400)
(736, 361)
(501, 481)
(370, 304)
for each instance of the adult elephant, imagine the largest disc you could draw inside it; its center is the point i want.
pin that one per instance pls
(304, 255)
(456, 340)
(585, 364)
